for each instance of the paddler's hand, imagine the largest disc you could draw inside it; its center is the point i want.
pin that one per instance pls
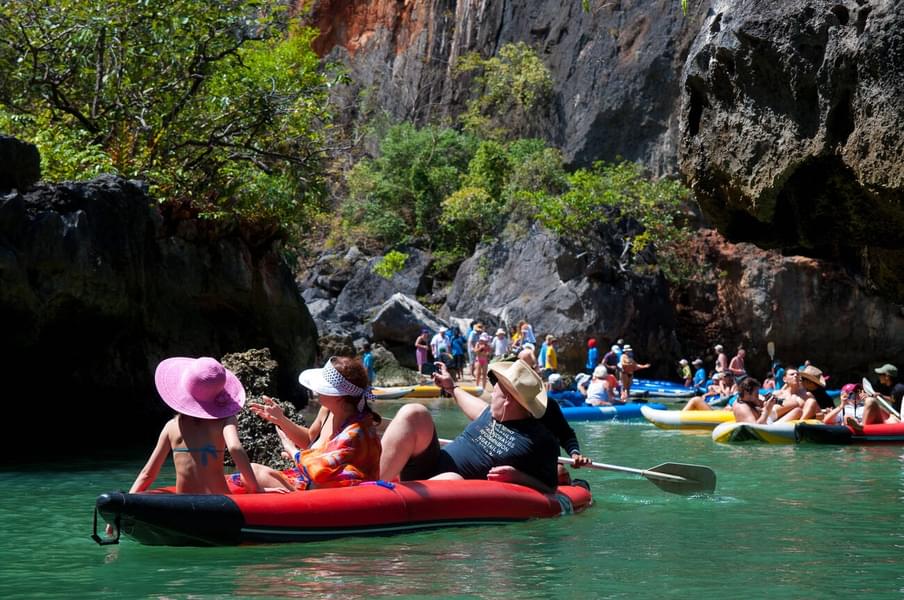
(580, 460)
(504, 473)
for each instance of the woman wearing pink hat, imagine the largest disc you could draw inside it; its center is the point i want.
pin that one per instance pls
(206, 396)
(344, 449)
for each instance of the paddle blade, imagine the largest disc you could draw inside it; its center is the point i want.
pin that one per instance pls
(770, 348)
(867, 386)
(695, 479)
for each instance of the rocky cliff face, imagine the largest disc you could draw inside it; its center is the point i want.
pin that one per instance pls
(811, 309)
(572, 294)
(96, 287)
(791, 130)
(784, 117)
(616, 67)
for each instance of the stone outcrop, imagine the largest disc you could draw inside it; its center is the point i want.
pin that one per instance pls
(20, 164)
(568, 293)
(342, 289)
(791, 130)
(96, 287)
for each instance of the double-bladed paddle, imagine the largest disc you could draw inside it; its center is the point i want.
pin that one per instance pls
(770, 348)
(870, 391)
(675, 478)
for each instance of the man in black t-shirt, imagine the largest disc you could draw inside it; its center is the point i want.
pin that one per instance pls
(504, 442)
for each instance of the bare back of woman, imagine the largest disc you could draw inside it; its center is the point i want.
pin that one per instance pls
(198, 447)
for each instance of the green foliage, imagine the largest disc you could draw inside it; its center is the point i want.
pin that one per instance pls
(218, 103)
(469, 214)
(399, 194)
(66, 154)
(512, 88)
(444, 189)
(489, 168)
(391, 263)
(620, 191)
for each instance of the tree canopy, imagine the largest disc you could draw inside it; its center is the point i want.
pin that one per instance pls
(220, 104)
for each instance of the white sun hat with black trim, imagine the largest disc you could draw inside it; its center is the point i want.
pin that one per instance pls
(330, 382)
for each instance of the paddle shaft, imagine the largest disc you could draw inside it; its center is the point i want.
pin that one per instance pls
(699, 478)
(618, 469)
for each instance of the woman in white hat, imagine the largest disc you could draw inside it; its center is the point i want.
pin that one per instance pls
(346, 449)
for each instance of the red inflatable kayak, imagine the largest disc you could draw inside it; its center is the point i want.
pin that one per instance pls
(880, 433)
(162, 517)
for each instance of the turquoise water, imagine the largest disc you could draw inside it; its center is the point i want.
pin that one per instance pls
(785, 522)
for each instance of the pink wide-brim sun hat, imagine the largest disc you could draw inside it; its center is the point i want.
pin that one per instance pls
(199, 387)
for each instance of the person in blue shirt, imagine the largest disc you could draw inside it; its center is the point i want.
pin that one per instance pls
(368, 360)
(541, 356)
(592, 355)
(778, 373)
(459, 351)
(699, 373)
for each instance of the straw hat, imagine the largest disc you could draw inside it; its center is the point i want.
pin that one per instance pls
(813, 375)
(199, 387)
(522, 383)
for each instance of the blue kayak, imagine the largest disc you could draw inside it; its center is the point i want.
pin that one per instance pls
(621, 412)
(661, 388)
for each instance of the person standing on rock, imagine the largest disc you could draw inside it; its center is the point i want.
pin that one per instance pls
(628, 367)
(736, 366)
(592, 355)
(459, 351)
(500, 344)
(368, 360)
(721, 359)
(473, 338)
(421, 346)
(550, 360)
(438, 343)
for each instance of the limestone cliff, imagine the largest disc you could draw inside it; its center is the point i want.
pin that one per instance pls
(616, 67)
(96, 286)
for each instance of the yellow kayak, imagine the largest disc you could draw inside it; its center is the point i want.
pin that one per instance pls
(418, 391)
(782, 432)
(432, 391)
(686, 419)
